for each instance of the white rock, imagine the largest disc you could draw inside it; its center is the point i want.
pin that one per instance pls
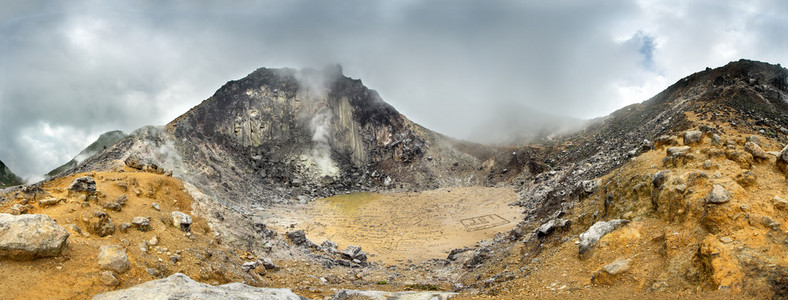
(180, 286)
(26, 237)
(589, 238)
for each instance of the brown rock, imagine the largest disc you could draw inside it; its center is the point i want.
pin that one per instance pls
(780, 203)
(611, 273)
(756, 151)
(100, 224)
(719, 264)
(113, 258)
(109, 279)
(744, 159)
(746, 179)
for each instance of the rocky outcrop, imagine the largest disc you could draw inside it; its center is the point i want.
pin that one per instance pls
(27, 237)
(180, 286)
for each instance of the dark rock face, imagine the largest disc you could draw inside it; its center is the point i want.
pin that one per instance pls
(8, 178)
(283, 134)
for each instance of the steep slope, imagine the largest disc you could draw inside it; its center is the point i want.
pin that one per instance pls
(8, 178)
(105, 140)
(280, 133)
(694, 175)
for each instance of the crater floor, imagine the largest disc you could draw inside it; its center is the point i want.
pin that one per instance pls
(403, 228)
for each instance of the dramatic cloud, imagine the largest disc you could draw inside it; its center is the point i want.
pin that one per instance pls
(70, 70)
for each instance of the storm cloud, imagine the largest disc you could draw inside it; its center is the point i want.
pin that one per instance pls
(71, 70)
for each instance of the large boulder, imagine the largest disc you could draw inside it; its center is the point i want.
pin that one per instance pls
(26, 237)
(180, 286)
(113, 258)
(589, 238)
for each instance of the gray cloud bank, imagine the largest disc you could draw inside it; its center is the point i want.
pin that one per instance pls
(70, 70)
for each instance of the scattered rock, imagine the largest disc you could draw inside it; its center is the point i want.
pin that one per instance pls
(746, 179)
(716, 140)
(780, 203)
(111, 206)
(546, 229)
(134, 163)
(153, 241)
(659, 178)
(718, 195)
(744, 159)
(692, 137)
(121, 200)
(109, 279)
(268, 263)
(665, 140)
(298, 238)
(100, 224)
(48, 202)
(181, 286)
(676, 151)
(181, 220)
(726, 240)
(609, 274)
(756, 151)
(113, 258)
(589, 238)
(754, 139)
(248, 266)
(84, 184)
(27, 237)
(20, 209)
(124, 227)
(354, 253)
(155, 206)
(329, 247)
(141, 223)
(782, 161)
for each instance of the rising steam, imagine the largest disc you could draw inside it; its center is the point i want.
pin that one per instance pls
(315, 85)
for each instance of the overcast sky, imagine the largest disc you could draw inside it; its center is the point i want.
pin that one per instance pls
(70, 70)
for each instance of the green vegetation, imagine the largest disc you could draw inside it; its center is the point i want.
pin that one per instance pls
(8, 178)
(422, 287)
(104, 141)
